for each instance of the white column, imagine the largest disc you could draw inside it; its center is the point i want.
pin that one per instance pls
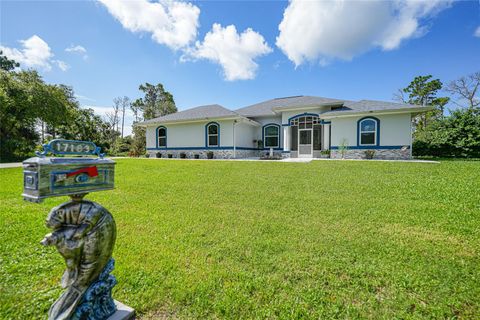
(286, 138)
(234, 144)
(326, 136)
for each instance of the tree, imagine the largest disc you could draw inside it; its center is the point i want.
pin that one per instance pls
(27, 101)
(423, 91)
(157, 102)
(7, 64)
(466, 88)
(457, 135)
(123, 104)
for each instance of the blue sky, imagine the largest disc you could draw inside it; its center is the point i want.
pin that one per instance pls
(347, 50)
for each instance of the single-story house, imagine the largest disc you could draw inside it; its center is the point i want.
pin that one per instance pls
(299, 126)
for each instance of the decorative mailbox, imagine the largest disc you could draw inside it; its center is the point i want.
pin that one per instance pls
(45, 177)
(83, 231)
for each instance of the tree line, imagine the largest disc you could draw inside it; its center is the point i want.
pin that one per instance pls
(33, 112)
(445, 132)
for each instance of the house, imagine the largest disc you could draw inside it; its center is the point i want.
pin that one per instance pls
(299, 126)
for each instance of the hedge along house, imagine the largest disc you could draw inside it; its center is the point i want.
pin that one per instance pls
(300, 126)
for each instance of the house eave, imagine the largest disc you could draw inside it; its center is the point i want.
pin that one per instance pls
(307, 107)
(156, 123)
(345, 114)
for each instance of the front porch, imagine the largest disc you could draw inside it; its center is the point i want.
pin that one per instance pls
(306, 136)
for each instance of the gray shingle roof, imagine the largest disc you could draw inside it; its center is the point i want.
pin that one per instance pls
(197, 113)
(370, 106)
(265, 108)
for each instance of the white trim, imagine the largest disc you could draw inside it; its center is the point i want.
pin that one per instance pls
(308, 107)
(213, 135)
(369, 131)
(306, 155)
(374, 113)
(241, 118)
(276, 126)
(159, 136)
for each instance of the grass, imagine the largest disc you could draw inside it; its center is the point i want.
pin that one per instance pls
(212, 239)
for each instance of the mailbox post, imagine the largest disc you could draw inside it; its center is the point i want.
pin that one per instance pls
(83, 231)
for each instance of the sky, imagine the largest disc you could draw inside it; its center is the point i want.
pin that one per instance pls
(237, 53)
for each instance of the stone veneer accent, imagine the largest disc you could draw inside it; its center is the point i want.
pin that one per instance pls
(217, 154)
(387, 154)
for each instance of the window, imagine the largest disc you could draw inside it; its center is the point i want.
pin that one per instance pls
(368, 131)
(213, 130)
(271, 136)
(161, 137)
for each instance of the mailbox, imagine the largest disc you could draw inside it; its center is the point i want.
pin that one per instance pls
(45, 177)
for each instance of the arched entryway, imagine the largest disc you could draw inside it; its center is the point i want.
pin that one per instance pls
(306, 135)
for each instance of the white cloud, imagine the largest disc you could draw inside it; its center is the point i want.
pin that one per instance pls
(85, 98)
(62, 65)
(78, 49)
(35, 53)
(477, 32)
(171, 23)
(318, 31)
(235, 52)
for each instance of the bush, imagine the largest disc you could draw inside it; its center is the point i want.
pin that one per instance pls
(210, 155)
(170, 155)
(457, 135)
(183, 155)
(197, 156)
(369, 154)
(147, 155)
(158, 154)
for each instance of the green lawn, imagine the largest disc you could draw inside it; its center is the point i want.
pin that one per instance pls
(217, 239)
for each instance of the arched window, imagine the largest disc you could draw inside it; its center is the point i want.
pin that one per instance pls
(368, 131)
(213, 134)
(161, 137)
(271, 136)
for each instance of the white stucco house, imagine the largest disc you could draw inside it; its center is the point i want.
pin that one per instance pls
(299, 126)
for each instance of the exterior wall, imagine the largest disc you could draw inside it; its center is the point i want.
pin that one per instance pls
(245, 134)
(190, 138)
(289, 114)
(395, 130)
(386, 154)
(394, 137)
(192, 135)
(259, 130)
(217, 154)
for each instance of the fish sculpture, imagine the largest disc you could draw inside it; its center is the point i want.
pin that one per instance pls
(84, 234)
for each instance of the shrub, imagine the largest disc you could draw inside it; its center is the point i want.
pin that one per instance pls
(325, 153)
(147, 155)
(183, 155)
(170, 155)
(158, 154)
(210, 155)
(343, 147)
(369, 154)
(197, 156)
(457, 135)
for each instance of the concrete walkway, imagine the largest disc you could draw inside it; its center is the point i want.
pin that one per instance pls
(10, 165)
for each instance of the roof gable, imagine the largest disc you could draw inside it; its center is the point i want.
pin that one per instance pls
(265, 108)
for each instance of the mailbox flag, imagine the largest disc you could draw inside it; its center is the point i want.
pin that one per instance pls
(91, 171)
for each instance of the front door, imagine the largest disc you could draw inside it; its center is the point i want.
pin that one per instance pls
(305, 146)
